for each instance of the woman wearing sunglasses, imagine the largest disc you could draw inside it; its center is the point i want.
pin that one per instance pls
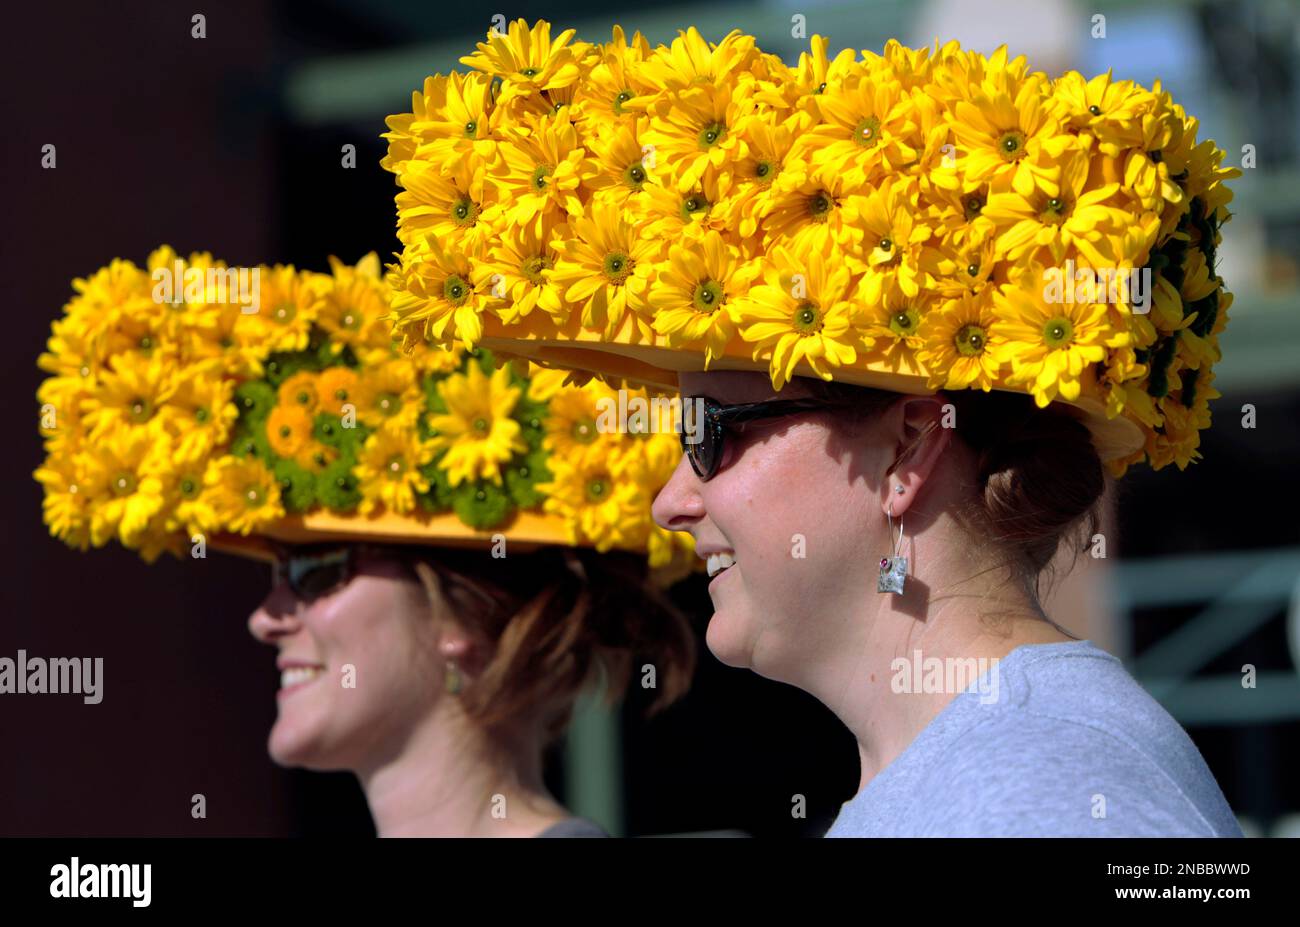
(906, 416)
(439, 677)
(459, 551)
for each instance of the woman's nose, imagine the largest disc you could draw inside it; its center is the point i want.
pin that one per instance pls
(678, 504)
(276, 617)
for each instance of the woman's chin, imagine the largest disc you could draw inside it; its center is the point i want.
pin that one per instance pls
(293, 749)
(726, 639)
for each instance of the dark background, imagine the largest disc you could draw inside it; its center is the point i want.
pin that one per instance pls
(165, 139)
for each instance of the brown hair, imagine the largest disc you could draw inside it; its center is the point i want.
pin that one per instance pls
(1038, 478)
(557, 619)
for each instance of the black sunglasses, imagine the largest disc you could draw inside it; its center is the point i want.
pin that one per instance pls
(705, 454)
(313, 572)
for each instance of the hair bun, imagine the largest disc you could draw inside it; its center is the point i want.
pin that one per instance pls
(1037, 469)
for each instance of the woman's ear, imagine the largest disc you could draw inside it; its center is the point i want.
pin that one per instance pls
(920, 439)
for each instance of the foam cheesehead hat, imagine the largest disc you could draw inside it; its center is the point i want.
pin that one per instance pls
(917, 220)
(189, 401)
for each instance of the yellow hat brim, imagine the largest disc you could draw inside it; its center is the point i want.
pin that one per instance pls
(525, 532)
(656, 366)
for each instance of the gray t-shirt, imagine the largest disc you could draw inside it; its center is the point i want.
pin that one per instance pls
(574, 827)
(1071, 746)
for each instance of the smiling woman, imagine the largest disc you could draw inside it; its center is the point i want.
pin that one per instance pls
(440, 677)
(460, 551)
(849, 260)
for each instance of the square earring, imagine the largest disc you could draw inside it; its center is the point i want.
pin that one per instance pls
(893, 570)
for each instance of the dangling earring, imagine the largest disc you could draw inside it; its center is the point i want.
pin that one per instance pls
(893, 570)
(453, 678)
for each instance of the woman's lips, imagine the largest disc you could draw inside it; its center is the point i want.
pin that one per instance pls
(717, 579)
(296, 677)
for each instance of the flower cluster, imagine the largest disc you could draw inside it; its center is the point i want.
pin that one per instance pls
(172, 412)
(905, 212)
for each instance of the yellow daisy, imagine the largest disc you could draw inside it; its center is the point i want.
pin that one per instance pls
(388, 470)
(665, 214)
(193, 511)
(451, 115)
(527, 59)
(960, 350)
(624, 164)
(890, 249)
(892, 328)
(231, 336)
(66, 504)
(597, 508)
(435, 289)
(768, 158)
(518, 272)
(477, 431)
(694, 132)
(1107, 109)
(571, 421)
(120, 476)
(693, 293)
(354, 304)
(813, 209)
(448, 206)
(134, 394)
(1001, 125)
(288, 305)
(388, 395)
(1058, 212)
(691, 61)
(801, 313)
(1048, 345)
(244, 494)
(539, 169)
(204, 408)
(606, 269)
(598, 100)
(866, 129)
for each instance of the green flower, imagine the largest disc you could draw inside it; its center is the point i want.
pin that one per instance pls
(249, 440)
(284, 364)
(485, 358)
(336, 486)
(1161, 357)
(522, 476)
(297, 486)
(531, 417)
(481, 505)
(255, 400)
(438, 498)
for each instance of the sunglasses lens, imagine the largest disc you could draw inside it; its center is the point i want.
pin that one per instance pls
(699, 444)
(312, 577)
(701, 453)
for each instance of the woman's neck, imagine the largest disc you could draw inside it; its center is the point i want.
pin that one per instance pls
(962, 613)
(444, 782)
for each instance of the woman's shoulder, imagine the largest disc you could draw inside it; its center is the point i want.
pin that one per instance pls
(1074, 738)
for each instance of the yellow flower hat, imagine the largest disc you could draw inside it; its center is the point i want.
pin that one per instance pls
(917, 220)
(246, 405)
